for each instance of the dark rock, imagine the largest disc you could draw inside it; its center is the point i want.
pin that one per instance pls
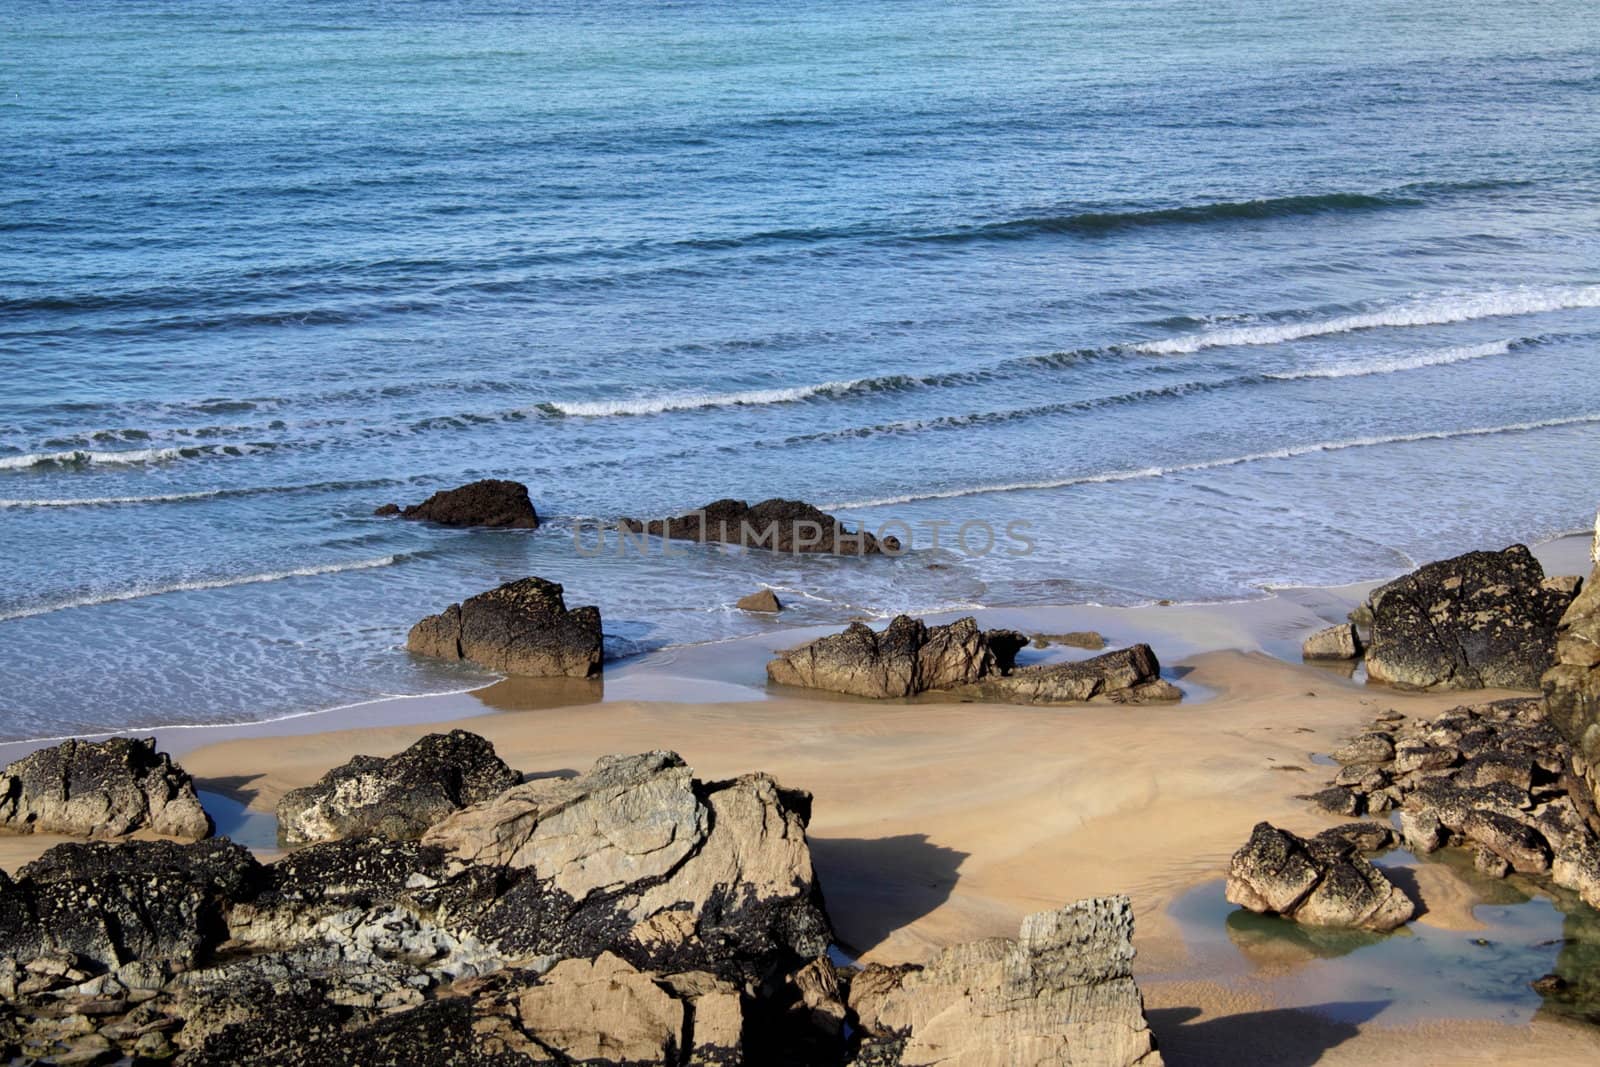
(1480, 620)
(1339, 800)
(398, 797)
(522, 627)
(764, 600)
(1323, 882)
(1361, 836)
(777, 525)
(1126, 676)
(1373, 747)
(1519, 844)
(490, 502)
(101, 789)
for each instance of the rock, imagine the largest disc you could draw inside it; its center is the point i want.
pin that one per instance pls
(1577, 867)
(905, 659)
(1480, 620)
(1338, 800)
(1572, 685)
(776, 525)
(1088, 639)
(1415, 755)
(1373, 747)
(764, 600)
(1361, 836)
(1320, 883)
(1569, 585)
(1336, 642)
(1518, 844)
(398, 797)
(1061, 994)
(522, 627)
(491, 502)
(101, 789)
(1421, 831)
(1488, 862)
(640, 858)
(1126, 676)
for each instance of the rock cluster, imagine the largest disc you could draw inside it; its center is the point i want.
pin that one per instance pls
(1572, 686)
(491, 502)
(776, 525)
(1062, 993)
(910, 657)
(522, 627)
(398, 797)
(1485, 619)
(1496, 778)
(1321, 882)
(101, 789)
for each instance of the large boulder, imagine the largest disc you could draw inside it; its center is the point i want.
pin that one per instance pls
(101, 789)
(776, 525)
(1061, 994)
(1125, 676)
(1485, 619)
(1322, 882)
(1572, 686)
(398, 797)
(491, 502)
(522, 627)
(906, 658)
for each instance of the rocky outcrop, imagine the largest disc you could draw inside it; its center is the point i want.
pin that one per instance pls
(1572, 686)
(398, 797)
(1496, 779)
(1336, 642)
(1062, 993)
(1485, 619)
(1126, 676)
(491, 502)
(764, 600)
(776, 525)
(522, 627)
(101, 789)
(634, 915)
(910, 657)
(1322, 882)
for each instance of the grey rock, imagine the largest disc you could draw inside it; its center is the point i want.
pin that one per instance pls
(1323, 882)
(398, 797)
(906, 658)
(1336, 642)
(101, 789)
(522, 627)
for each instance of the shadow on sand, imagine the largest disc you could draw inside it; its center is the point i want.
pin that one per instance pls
(1282, 1037)
(874, 886)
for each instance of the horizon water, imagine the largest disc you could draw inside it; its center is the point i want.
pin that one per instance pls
(1208, 310)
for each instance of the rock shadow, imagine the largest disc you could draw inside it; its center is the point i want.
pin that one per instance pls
(875, 886)
(1281, 1037)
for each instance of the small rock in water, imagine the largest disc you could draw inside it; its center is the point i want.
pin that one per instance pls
(764, 600)
(491, 502)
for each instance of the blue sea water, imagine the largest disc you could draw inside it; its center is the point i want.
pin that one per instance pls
(1214, 296)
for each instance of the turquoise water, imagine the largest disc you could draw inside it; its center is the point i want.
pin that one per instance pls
(1213, 298)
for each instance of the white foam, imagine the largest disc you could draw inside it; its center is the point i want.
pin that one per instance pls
(1289, 452)
(80, 456)
(1441, 358)
(694, 401)
(140, 592)
(1433, 311)
(95, 501)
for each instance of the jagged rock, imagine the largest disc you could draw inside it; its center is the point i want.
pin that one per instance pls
(776, 525)
(1361, 836)
(1126, 676)
(1323, 882)
(905, 659)
(640, 858)
(1479, 620)
(1336, 642)
(522, 627)
(1572, 685)
(101, 789)
(765, 601)
(398, 797)
(1512, 840)
(491, 502)
(1061, 994)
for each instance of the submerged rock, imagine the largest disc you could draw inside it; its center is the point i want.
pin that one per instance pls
(1336, 642)
(765, 600)
(522, 627)
(776, 525)
(398, 797)
(491, 502)
(1322, 882)
(1062, 993)
(101, 789)
(1485, 619)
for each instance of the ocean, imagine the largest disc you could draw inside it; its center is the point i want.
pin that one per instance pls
(1207, 298)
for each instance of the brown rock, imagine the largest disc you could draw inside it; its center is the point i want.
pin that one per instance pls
(491, 502)
(776, 525)
(764, 600)
(1324, 882)
(522, 627)
(1336, 642)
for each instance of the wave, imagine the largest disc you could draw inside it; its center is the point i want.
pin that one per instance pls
(696, 401)
(1443, 357)
(140, 592)
(1434, 311)
(84, 457)
(201, 494)
(1289, 452)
